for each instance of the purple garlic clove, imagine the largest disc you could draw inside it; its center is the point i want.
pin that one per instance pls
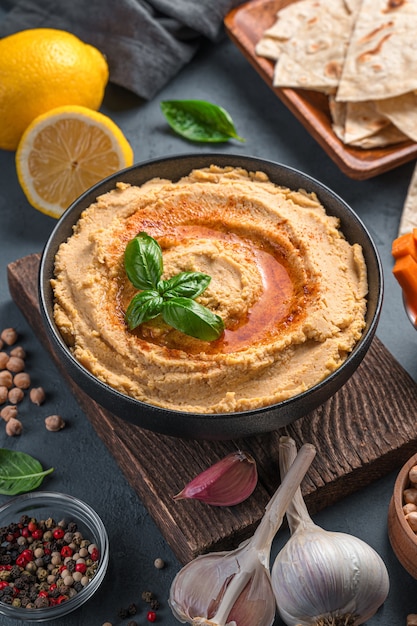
(226, 483)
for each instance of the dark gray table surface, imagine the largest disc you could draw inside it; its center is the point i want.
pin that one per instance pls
(84, 467)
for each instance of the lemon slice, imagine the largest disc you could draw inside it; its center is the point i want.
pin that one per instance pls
(64, 152)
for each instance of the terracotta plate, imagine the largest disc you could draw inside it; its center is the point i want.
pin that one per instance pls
(245, 26)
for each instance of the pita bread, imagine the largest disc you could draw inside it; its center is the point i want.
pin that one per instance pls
(313, 37)
(289, 73)
(269, 47)
(408, 219)
(381, 60)
(387, 136)
(359, 124)
(401, 111)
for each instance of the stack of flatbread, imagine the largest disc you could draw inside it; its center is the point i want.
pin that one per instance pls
(361, 53)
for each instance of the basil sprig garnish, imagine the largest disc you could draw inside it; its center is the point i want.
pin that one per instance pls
(173, 299)
(198, 120)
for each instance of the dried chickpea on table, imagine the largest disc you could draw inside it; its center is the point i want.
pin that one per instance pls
(16, 384)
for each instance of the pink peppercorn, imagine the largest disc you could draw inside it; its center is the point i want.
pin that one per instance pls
(21, 561)
(95, 554)
(32, 526)
(81, 567)
(27, 555)
(58, 533)
(66, 551)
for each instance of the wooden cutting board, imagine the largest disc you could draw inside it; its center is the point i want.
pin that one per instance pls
(366, 430)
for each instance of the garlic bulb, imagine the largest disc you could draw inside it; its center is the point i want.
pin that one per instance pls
(233, 588)
(226, 483)
(323, 578)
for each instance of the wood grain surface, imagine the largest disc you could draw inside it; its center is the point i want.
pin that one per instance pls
(245, 25)
(363, 432)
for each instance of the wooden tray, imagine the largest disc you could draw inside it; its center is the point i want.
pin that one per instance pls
(366, 430)
(245, 25)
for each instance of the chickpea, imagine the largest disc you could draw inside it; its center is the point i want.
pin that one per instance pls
(409, 508)
(15, 364)
(9, 336)
(22, 380)
(54, 423)
(410, 495)
(14, 427)
(3, 394)
(412, 520)
(8, 412)
(412, 475)
(4, 357)
(18, 351)
(6, 379)
(37, 395)
(15, 395)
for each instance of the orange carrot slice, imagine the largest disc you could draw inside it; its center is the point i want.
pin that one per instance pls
(405, 245)
(405, 271)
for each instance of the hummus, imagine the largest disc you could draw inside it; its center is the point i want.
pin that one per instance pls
(289, 287)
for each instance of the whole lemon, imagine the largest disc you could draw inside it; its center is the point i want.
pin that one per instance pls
(41, 69)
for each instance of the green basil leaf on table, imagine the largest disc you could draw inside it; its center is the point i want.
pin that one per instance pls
(198, 120)
(144, 306)
(192, 318)
(185, 285)
(143, 261)
(19, 472)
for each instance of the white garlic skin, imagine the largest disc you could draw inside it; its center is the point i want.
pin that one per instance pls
(321, 573)
(198, 591)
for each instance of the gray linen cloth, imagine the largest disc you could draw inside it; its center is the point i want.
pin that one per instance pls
(146, 42)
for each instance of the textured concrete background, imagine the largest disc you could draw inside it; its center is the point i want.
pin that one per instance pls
(83, 465)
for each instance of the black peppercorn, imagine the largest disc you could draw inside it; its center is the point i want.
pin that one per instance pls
(147, 596)
(132, 609)
(5, 559)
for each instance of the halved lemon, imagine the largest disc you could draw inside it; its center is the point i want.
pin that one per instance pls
(64, 152)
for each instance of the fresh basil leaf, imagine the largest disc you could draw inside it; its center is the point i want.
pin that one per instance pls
(19, 472)
(143, 261)
(192, 318)
(143, 307)
(184, 285)
(198, 120)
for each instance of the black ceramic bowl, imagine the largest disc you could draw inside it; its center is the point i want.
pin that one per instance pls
(225, 425)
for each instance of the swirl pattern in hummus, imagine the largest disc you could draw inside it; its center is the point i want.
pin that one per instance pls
(290, 289)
